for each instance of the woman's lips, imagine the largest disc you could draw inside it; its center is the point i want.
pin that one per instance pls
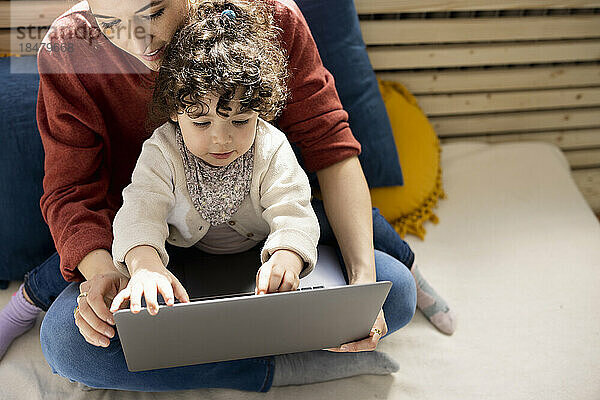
(221, 156)
(155, 55)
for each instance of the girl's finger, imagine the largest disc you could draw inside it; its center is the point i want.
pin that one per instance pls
(180, 292)
(150, 295)
(165, 289)
(288, 281)
(264, 277)
(119, 299)
(277, 272)
(135, 298)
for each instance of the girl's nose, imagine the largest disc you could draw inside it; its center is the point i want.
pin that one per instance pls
(221, 136)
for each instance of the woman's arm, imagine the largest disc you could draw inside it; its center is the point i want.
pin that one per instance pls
(315, 120)
(348, 208)
(76, 179)
(95, 263)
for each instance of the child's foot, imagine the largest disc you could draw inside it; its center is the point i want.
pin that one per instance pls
(321, 365)
(432, 305)
(15, 319)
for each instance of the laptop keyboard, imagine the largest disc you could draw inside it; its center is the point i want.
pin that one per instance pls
(225, 296)
(312, 287)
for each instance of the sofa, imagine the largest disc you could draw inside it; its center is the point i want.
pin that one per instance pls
(516, 253)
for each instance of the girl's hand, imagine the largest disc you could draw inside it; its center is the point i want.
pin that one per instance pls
(147, 281)
(369, 343)
(280, 273)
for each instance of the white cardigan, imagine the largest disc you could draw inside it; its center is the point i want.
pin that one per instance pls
(157, 205)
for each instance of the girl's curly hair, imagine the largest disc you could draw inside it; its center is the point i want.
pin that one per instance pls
(216, 54)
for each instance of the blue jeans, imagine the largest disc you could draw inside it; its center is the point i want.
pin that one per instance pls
(44, 283)
(385, 238)
(70, 356)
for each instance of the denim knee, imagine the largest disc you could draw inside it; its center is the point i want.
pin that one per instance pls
(59, 336)
(386, 239)
(401, 302)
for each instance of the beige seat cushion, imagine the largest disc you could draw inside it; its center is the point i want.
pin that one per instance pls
(517, 254)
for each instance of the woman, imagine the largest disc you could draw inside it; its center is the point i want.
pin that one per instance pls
(96, 74)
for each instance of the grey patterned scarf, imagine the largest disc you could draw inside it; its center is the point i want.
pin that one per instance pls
(217, 192)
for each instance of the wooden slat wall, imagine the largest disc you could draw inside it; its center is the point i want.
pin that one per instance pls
(482, 70)
(492, 29)
(408, 6)
(31, 12)
(492, 71)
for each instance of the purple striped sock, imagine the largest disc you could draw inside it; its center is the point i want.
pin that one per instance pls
(15, 319)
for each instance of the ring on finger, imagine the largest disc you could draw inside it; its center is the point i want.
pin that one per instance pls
(75, 311)
(81, 295)
(377, 330)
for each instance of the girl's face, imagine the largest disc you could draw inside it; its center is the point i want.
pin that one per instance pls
(142, 28)
(216, 139)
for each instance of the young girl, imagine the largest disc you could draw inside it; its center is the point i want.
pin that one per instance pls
(216, 175)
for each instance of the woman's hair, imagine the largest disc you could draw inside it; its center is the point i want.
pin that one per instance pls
(223, 54)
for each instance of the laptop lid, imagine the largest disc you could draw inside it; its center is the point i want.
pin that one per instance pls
(241, 325)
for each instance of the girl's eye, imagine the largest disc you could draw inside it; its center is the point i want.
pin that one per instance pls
(240, 123)
(108, 25)
(155, 15)
(202, 124)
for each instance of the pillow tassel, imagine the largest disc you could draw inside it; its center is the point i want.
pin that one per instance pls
(414, 223)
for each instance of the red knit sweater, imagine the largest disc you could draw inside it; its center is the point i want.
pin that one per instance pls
(92, 104)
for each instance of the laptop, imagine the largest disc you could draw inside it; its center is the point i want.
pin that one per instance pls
(225, 320)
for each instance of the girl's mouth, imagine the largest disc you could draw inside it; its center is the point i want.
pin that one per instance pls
(221, 156)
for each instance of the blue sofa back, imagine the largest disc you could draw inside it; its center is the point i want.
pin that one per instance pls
(25, 240)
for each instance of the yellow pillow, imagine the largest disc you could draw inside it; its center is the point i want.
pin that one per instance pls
(408, 207)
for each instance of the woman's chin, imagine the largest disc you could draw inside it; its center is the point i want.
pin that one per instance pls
(152, 65)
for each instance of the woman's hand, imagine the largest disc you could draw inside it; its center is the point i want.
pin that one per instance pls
(147, 281)
(280, 273)
(93, 317)
(378, 330)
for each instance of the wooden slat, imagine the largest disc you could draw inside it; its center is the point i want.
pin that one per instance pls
(588, 181)
(410, 31)
(25, 13)
(403, 6)
(478, 80)
(19, 46)
(41, 13)
(465, 55)
(583, 158)
(516, 122)
(473, 103)
(566, 140)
